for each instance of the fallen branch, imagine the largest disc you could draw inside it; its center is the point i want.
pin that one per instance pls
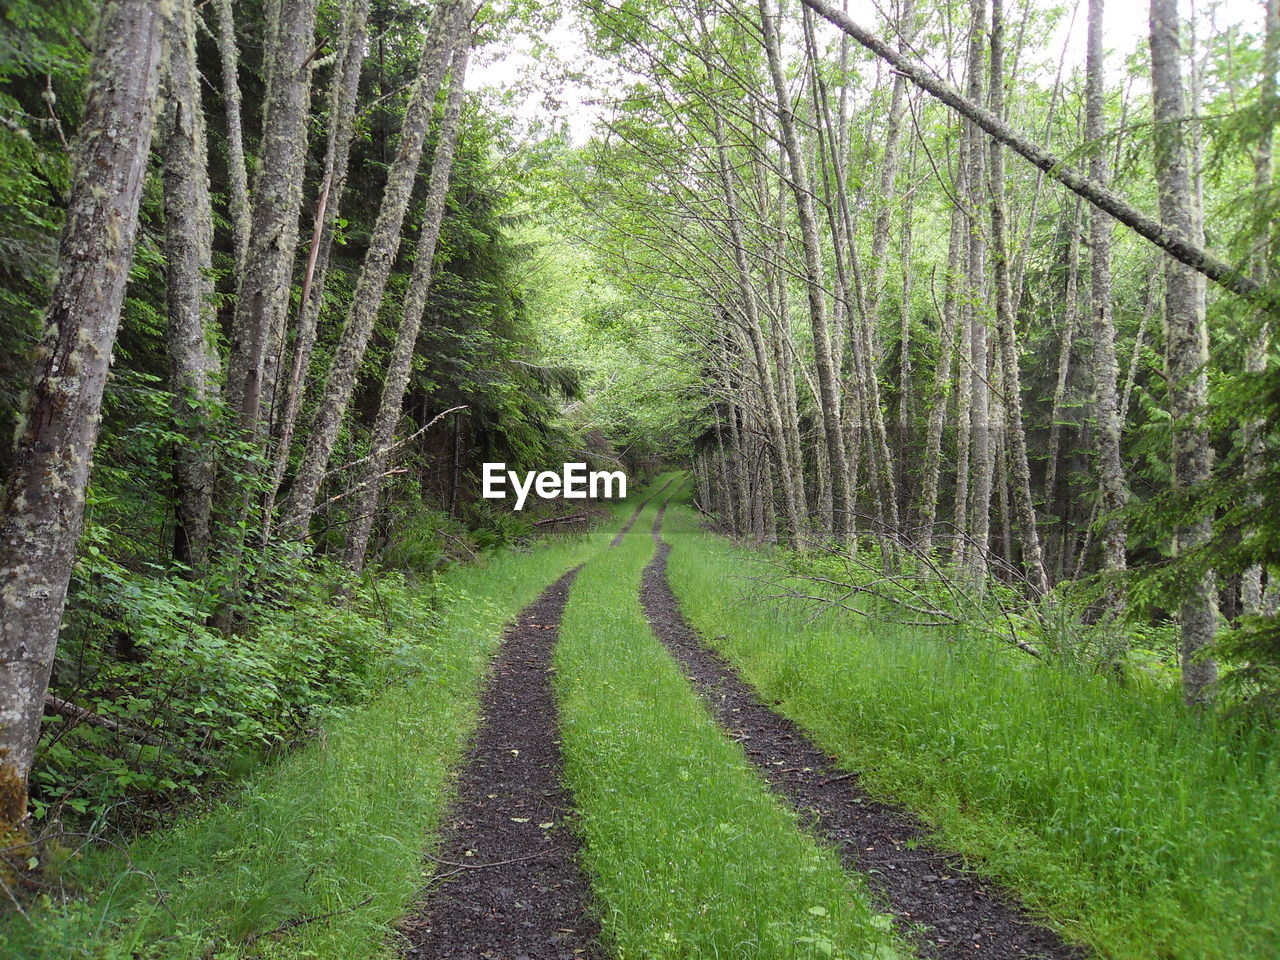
(65, 708)
(568, 519)
(305, 919)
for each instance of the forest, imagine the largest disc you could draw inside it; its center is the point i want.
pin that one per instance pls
(779, 479)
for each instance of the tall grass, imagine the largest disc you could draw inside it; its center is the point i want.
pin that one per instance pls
(1133, 825)
(690, 855)
(319, 854)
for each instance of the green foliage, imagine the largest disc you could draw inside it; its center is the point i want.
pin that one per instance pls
(335, 827)
(138, 651)
(1131, 824)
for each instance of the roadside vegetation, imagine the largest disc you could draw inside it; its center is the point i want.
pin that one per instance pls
(321, 851)
(1128, 825)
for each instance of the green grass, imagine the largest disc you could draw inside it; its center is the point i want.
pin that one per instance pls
(338, 826)
(690, 855)
(1134, 826)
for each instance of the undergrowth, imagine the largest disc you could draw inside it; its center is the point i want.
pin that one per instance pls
(1131, 824)
(690, 855)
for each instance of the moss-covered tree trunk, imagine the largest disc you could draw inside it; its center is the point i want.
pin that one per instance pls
(980, 462)
(415, 304)
(188, 247)
(262, 296)
(343, 91)
(237, 170)
(1251, 593)
(43, 507)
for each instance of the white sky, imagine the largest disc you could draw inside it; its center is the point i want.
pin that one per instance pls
(542, 94)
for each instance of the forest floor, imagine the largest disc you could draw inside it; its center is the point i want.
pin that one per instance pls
(621, 754)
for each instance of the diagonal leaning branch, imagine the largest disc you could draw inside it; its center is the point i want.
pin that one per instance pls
(1171, 243)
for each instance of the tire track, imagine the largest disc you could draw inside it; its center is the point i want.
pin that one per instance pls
(509, 885)
(631, 522)
(946, 910)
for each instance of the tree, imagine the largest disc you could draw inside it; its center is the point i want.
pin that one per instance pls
(1186, 343)
(447, 22)
(193, 352)
(1111, 486)
(401, 363)
(43, 506)
(828, 384)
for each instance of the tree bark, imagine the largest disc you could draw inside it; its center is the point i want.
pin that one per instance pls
(1251, 592)
(828, 380)
(415, 305)
(366, 299)
(1166, 236)
(980, 390)
(942, 380)
(1066, 342)
(1014, 434)
(238, 193)
(188, 245)
(43, 506)
(1105, 369)
(262, 296)
(342, 107)
(1186, 342)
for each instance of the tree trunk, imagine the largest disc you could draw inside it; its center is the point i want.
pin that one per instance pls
(1105, 369)
(1014, 434)
(884, 199)
(1251, 594)
(342, 106)
(979, 410)
(188, 246)
(415, 305)
(366, 299)
(238, 192)
(262, 296)
(1186, 342)
(904, 345)
(755, 333)
(43, 507)
(942, 380)
(825, 369)
(1066, 342)
(1179, 246)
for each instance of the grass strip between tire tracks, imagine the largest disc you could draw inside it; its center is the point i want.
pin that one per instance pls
(689, 853)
